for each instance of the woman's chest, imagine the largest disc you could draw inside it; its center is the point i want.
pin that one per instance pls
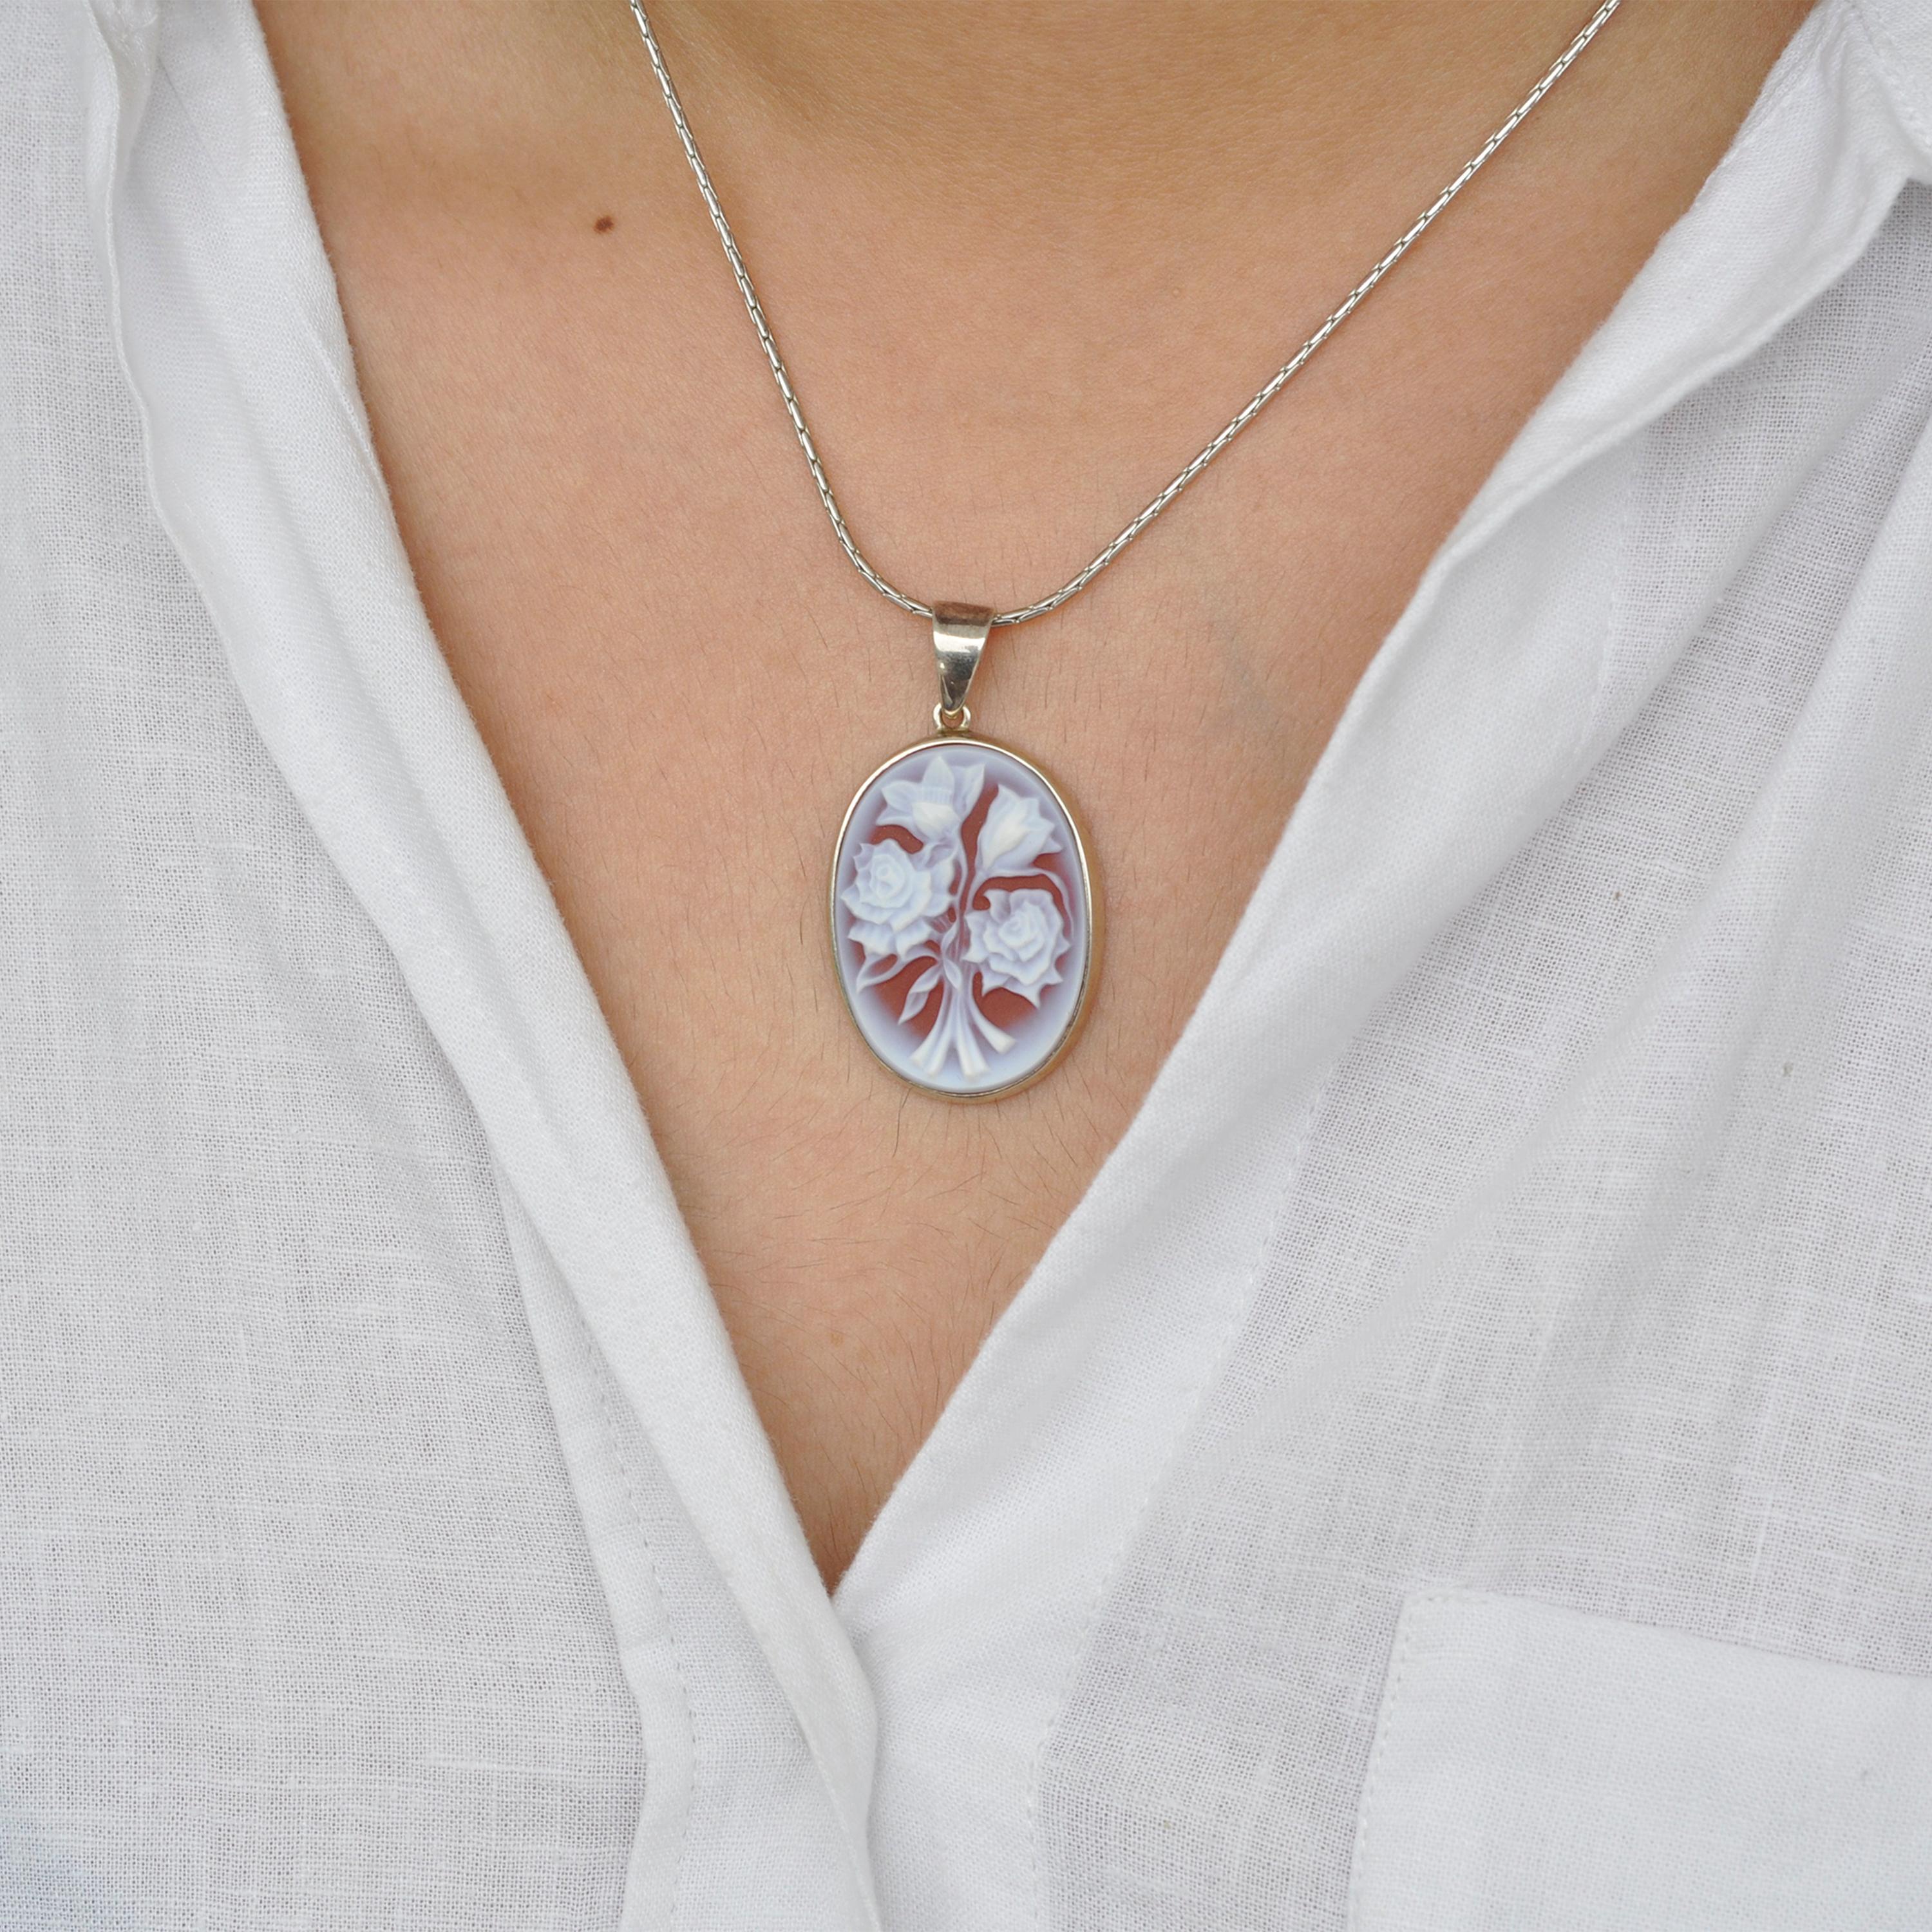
(680, 682)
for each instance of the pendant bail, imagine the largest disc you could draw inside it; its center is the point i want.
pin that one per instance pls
(959, 637)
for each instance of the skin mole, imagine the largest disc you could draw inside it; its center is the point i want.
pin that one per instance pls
(605, 223)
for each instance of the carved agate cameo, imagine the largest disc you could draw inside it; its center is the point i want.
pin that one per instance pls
(963, 918)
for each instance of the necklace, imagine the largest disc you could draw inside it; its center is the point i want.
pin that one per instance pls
(965, 918)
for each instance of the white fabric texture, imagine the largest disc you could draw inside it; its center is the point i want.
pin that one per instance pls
(1537, 1769)
(1539, 1204)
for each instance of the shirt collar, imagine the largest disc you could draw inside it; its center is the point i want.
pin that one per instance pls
(1899, 33)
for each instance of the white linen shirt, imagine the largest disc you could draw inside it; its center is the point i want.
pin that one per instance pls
(1466, 1463)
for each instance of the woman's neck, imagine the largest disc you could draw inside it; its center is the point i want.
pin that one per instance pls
(1108, 98)
(1097, 222)
(1042, 113)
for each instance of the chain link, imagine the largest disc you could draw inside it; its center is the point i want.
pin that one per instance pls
(1246, 415)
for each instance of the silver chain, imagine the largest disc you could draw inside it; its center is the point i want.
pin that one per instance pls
(1247, 413)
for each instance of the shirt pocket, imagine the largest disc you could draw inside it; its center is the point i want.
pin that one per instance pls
(1545, 1770)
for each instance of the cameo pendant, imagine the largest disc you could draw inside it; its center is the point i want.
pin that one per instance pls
(965, 924)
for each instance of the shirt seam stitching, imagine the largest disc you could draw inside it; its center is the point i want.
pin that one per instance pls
(1883, 51)
(1386, 1724)
(671, 1643)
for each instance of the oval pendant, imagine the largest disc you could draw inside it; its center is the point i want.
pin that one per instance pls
(964, 920)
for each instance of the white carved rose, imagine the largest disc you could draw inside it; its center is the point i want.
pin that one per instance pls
(895, 896)
(1018, 941)
(934, 805)
(1015, 834)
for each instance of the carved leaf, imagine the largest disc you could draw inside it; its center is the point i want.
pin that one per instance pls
(920, 992)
